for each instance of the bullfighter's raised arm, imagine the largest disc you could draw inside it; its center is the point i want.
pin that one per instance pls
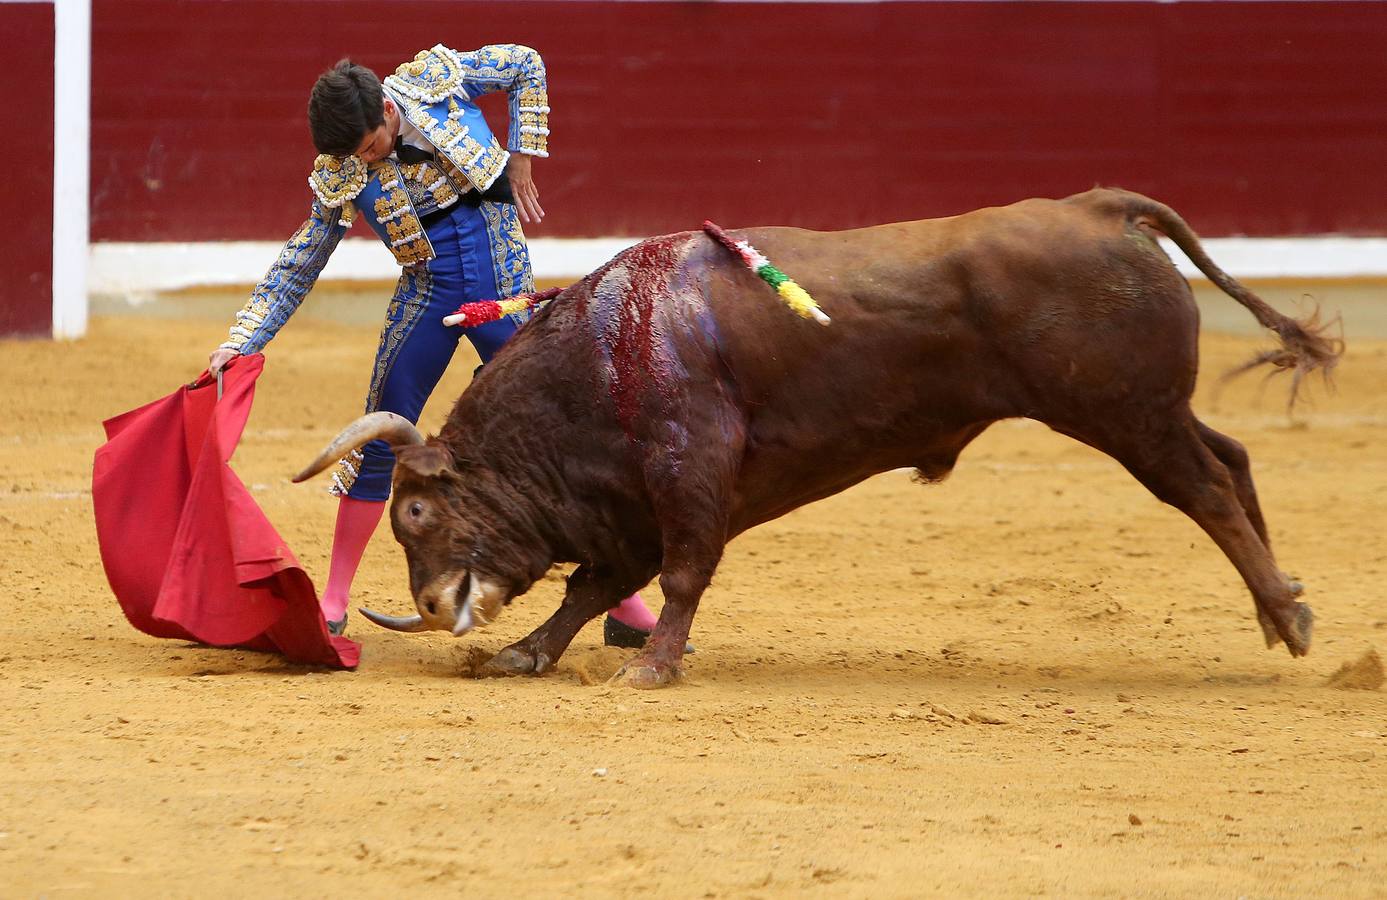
(519, 71)
(436, 93)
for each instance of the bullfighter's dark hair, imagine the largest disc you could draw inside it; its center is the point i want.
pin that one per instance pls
(346, 104)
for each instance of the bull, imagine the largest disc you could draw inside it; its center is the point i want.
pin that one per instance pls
(665, 404)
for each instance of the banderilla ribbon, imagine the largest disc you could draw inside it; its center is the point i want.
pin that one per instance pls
(470, 315)
(795, 297)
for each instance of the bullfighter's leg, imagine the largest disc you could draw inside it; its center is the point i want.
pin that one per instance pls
(589, 594)
(414, 351)
(629, 624)
(634, 614)
(356, 522)
(1233, 455)
(1176, 465)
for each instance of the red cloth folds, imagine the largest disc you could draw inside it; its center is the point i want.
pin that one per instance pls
(187, 551)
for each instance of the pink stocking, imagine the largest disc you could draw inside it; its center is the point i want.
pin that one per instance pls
(634, 612)
(356, 522)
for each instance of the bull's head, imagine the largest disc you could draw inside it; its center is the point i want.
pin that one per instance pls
(440, 548)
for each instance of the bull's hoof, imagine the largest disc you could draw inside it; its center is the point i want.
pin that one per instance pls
(516, 661)
(646, 675)
(1269, 632)
(1298, 638)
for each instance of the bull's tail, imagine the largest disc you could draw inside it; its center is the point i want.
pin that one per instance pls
(1307, 345)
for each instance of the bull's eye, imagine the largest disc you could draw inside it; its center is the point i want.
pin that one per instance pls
(416, 509)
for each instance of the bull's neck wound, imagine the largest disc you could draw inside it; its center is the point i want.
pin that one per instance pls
(627, 319)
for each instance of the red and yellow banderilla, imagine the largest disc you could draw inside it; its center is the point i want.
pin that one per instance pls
(470, 315)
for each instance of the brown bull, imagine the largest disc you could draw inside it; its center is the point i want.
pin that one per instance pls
(668, 402)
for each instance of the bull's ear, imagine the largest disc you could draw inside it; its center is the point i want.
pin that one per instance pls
(426, 460)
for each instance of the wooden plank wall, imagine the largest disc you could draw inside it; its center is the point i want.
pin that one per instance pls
(26, 203)
(1250, 118)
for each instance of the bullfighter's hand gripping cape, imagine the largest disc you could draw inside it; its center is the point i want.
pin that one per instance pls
(187, 551)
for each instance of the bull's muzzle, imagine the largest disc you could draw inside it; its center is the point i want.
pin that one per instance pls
(456, 602)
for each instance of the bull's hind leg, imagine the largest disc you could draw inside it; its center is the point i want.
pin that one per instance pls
(1177, 465)
(1234, 456)
(590, 592)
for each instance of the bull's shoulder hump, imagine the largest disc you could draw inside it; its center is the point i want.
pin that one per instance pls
(790, 235)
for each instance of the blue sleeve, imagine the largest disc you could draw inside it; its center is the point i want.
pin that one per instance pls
(289, 280)
(519, 71)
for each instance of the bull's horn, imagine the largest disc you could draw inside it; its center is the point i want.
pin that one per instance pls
(394, 429)
(396, 623)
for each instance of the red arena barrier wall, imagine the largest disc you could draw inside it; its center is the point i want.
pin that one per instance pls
(1250, 118)
(26, 264)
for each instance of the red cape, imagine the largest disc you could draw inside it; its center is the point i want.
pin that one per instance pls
(188, 553)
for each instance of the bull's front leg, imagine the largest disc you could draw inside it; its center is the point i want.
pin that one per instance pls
(588, 595)
(658, 663)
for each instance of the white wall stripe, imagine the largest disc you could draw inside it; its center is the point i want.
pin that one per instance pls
(136, 270)
(139, 269)
(1329, 256)
(71, 161)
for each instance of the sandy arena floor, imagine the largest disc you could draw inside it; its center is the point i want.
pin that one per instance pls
(1033, 679)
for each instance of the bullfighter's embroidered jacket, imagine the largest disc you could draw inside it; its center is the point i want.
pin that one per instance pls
(434, 92)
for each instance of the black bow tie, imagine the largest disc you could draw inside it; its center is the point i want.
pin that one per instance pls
(408, 153)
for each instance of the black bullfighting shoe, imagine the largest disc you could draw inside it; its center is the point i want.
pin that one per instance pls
(337, 627)
(616, 633)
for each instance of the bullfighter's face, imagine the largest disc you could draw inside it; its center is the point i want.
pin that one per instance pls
(380, 142)
(440, 547)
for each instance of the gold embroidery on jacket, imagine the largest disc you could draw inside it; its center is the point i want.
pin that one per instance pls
(532, 120)
(479, 164)
(337, 179)
(395, 210)
(432, 75)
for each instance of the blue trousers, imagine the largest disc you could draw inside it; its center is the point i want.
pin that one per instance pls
(480, 254)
